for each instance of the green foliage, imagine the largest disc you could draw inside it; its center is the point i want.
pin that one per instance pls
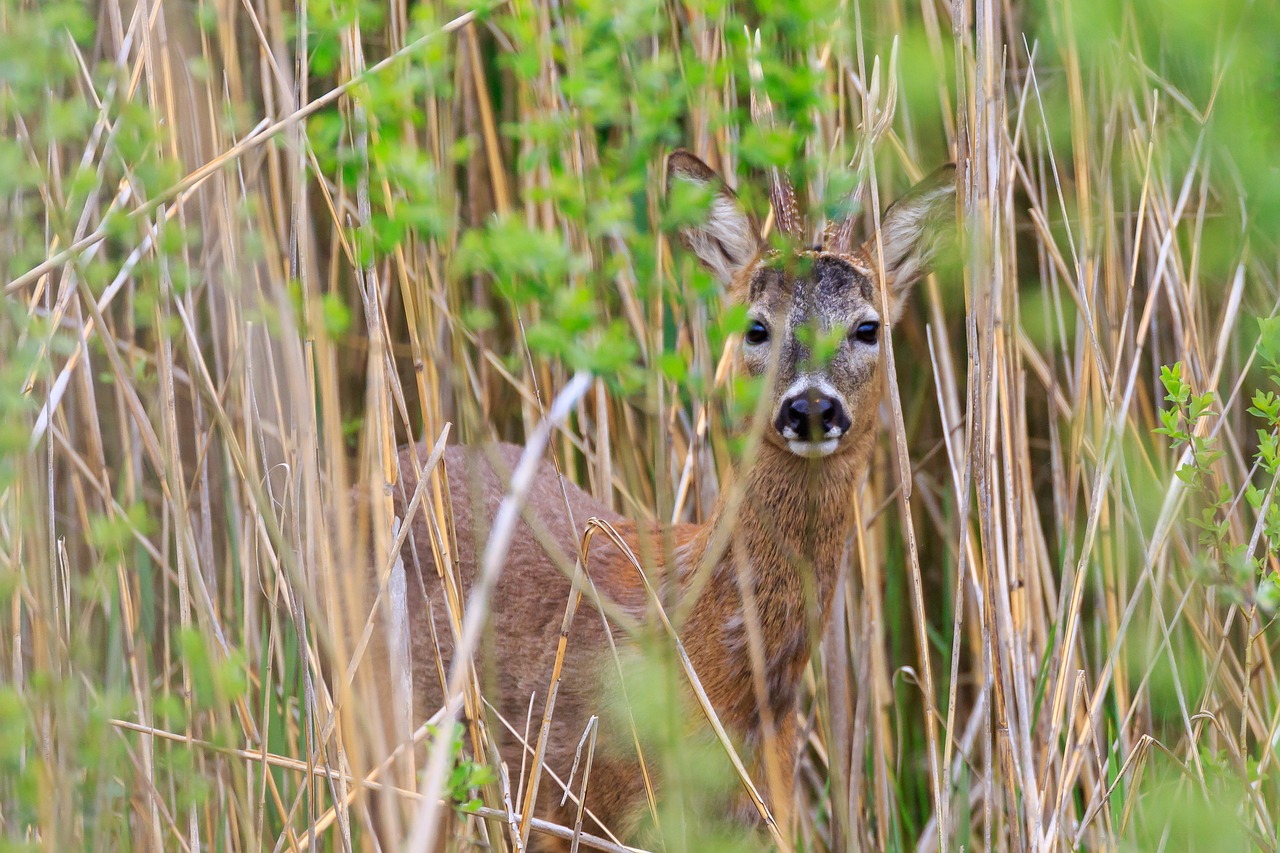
(700, 786)
(1219, 58)
(215, 683)
(466, 778)
(1173, 803)
(569, 278)
(1246, 573)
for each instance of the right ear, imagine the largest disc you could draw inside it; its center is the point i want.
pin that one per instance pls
(913, 231)
(727, 240)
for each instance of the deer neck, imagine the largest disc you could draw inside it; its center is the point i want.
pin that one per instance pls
(785, 536)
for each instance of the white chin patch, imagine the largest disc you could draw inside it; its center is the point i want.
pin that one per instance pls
(813, 449)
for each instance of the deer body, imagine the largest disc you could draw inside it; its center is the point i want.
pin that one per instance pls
(781, 541)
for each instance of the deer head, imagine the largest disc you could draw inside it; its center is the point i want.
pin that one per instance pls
(814, 315)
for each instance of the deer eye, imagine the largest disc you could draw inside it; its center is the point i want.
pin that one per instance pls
(866, 333)
(757, 333)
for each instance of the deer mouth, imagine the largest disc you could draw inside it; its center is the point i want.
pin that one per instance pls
(813, 449)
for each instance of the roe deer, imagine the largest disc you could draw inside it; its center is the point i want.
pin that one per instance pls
(781, 544)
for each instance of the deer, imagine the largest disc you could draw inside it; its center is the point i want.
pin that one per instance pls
(765, 565)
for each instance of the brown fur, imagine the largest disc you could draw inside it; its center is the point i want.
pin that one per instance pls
(788, 533)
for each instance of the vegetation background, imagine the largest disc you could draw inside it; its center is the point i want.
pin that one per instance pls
(250, 246)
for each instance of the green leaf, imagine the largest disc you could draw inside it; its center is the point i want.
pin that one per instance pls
(337, 316)
(1173, 382)
(1269, 342)
(1266, 405)
(1200, 405)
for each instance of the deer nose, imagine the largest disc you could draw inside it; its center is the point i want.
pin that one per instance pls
(812, 417)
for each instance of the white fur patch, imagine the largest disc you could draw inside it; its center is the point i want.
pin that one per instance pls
(807, 382)
(813, 449)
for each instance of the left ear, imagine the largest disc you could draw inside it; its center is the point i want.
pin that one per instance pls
(727, 241)
(912, 231)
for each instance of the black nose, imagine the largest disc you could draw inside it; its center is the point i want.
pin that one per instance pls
(811, 417)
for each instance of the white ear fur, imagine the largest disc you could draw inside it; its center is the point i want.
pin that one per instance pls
(727, 240)
(912, 231)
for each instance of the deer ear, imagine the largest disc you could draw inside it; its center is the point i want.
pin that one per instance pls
(912, 231)
(726, 240)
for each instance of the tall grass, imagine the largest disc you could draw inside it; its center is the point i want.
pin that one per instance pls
(251, 247)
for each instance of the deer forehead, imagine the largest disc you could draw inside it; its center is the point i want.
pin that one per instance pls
(813, 288)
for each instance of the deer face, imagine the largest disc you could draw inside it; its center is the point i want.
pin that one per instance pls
(814, 317)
